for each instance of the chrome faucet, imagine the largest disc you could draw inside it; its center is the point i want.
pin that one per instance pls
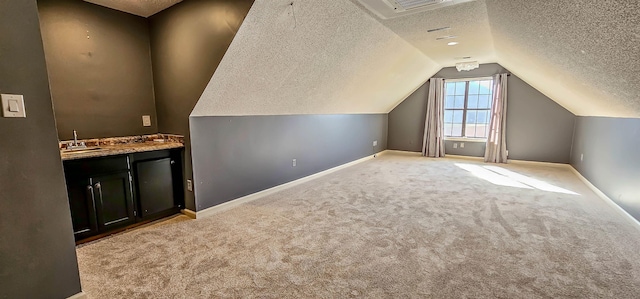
(75, 144)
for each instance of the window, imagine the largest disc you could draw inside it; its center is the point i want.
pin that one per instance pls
(467, 108)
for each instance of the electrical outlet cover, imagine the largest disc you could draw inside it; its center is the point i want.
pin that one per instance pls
(146, 120)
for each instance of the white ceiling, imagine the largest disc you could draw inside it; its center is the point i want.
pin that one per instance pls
(338, 57)
(143, 8)
(583, 54)
(469, 22)
(315, 57)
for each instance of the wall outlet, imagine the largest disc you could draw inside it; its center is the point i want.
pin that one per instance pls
(190, 185)
(146, 120)
(455, 145)
(375, 142)
(581, 157)
(461, 144)
(294, 162)
(507, 153)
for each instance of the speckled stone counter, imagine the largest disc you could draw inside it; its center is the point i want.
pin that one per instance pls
(122, 146)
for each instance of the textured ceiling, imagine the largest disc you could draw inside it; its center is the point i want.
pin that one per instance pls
(338, 57)
(469, 23)
(315, 57)
(143, 8)
(583, 54)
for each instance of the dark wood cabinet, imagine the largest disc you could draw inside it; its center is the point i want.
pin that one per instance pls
(114, 200)
(108, 193)
(155, 186)
(83, 210)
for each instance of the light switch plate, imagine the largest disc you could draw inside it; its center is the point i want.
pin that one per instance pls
(146, 120)
(13, 105)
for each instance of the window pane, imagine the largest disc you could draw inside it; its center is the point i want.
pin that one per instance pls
(449, 102)
(482, 130)
(456, 130)
(447, 129)
(470, 130)
(457, 117)
(450, 88)
(471, 117)
(484, 102)
(474, 87)
(483, 117)
(485, 86)
(473, 102)
(448, 116)
(460, 87)
(459, 102)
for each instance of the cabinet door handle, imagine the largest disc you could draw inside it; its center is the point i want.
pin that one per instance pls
(90, 194)
(99, 189)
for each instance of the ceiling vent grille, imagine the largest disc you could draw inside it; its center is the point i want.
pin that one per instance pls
(404, 5)
(387, 9)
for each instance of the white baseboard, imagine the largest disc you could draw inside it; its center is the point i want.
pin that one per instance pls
(524, 162)
(188, 213)
(251, 197)
(478, 159)
(404, 153)
(605, 197)
(81, 295)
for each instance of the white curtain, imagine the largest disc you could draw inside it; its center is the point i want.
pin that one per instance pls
(433, 141)
(496, 151)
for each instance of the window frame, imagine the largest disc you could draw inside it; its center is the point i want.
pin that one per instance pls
(465, 107)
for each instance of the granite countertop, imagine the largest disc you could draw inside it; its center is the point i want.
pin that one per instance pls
(122, 146)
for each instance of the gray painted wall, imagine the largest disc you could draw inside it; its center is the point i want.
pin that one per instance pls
(239, 155)
(406, 121)
(464, 148)
(538, 129)
(186, 49)
(611, 159)
(37, 250)
(101, 84)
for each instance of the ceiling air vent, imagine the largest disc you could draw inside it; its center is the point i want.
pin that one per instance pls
(387, 9)
(404, 5)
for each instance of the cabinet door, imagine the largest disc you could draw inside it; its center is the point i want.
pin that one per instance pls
(114, 201)
(83, 210)
(155, 186)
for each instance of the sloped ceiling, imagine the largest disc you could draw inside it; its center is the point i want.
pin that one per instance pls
(583, 54)
(469, 22)
(313, 57)
(338, 57)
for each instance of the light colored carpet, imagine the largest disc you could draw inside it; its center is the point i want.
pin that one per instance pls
(393, 227)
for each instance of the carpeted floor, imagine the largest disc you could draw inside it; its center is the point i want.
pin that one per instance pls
(393, 227)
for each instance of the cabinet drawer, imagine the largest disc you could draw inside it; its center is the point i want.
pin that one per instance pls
(102, 165)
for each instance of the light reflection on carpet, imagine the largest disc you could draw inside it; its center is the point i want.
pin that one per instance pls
(503, 177)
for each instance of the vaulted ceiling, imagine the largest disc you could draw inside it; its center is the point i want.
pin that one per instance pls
(314, 57)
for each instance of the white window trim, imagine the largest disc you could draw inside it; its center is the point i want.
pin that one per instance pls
(468, 79)
(465, 139)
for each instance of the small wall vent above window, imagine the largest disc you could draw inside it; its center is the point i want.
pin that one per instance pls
(387, 9)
